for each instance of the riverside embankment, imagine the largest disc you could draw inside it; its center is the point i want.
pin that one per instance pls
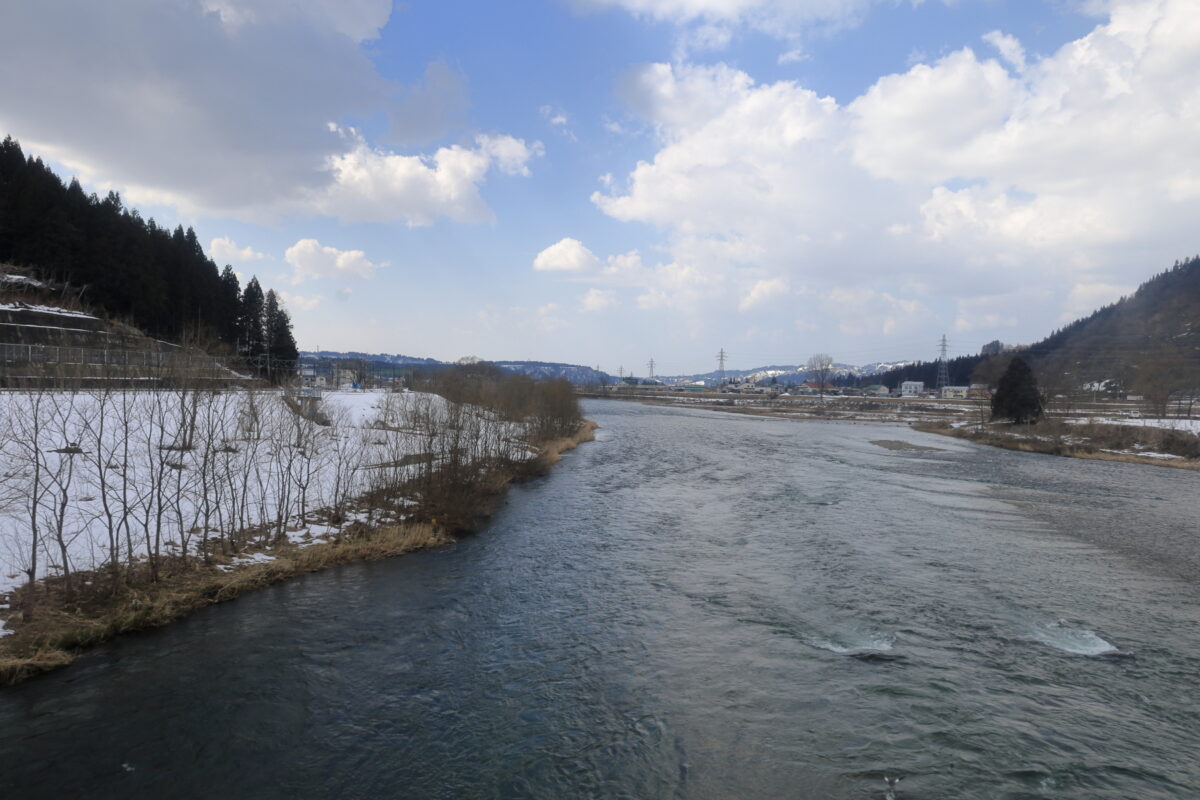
(463, 462)
(695, 606)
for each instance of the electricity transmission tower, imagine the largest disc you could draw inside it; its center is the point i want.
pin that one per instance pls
(650, 365)
(721, 363)
(943, 373)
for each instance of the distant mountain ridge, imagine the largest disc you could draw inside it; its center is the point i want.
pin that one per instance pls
(354, 354)
(539, 370)
(785, 374)
(590, 376)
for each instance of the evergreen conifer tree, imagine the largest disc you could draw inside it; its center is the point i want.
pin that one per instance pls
(251, 336)
(279, 342)
(230, 305)
(1017, 397)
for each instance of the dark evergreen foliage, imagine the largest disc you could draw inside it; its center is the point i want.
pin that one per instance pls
(1017, 397)
(279, 344)
(959, 368)
(252, 337)
(159, 280)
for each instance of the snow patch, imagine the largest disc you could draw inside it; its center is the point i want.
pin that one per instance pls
(244, 559)
(62, 312)
(21, 280)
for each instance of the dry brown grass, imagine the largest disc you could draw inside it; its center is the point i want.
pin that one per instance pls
(1052, 437)
(60, 630)
(551, 452)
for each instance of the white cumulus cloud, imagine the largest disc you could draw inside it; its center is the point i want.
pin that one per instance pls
(310, 259)
(223, 248)
(566, 255)
(956, 174)
(372, 184)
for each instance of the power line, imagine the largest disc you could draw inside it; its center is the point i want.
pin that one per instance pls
(721, 363)
(650, 365)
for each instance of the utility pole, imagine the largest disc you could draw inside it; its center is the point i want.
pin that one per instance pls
(650, 365)
(721, 363)
(943, 373)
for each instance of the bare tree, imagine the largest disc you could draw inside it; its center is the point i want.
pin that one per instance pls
(24, 447)
(819, 368)
(60, 469)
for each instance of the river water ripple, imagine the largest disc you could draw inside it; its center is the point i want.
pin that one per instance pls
(697, 606)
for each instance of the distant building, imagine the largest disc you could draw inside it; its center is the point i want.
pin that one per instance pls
(912, 388)
(955, 392)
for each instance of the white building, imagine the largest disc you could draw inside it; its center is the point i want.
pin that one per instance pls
(955, 392)
(911, 388)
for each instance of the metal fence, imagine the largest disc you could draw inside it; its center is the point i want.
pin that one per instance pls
(24, 365)
(91, 356)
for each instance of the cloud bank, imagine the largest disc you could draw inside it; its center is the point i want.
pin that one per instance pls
(979, 167)
(235, 108)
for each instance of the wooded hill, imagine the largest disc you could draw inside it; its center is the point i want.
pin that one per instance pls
(1145, 342)
(1148, 343)
(130, 269)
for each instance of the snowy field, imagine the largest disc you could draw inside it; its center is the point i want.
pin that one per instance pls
(1187, 424)
(89, 477)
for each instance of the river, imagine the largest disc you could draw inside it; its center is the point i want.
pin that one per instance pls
(697, 605)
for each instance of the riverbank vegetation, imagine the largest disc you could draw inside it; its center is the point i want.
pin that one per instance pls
(121, 510)
(1083, 439)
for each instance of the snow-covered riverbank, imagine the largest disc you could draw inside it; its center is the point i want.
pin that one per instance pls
(89, 478)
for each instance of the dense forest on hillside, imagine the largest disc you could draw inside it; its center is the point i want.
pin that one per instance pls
(1148, 342)
(128, 268)
(1125, 341)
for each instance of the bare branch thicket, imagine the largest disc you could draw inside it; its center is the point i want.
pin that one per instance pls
(24, 453)
(820, 367)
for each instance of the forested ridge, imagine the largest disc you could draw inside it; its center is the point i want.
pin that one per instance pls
(131, 269)
(1144, 340)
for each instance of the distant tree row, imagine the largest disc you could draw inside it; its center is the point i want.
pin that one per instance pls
(959, 370)
(130, 268)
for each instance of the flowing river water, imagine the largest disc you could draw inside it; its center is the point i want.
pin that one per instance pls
(697, 605)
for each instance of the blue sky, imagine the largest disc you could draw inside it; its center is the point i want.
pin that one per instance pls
(606, 181)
